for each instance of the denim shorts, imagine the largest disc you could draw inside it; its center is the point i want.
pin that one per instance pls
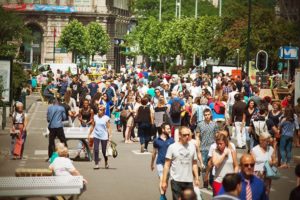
(160, 169)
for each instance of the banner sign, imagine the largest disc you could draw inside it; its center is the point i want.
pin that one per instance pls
(39, 7)
(51, 8)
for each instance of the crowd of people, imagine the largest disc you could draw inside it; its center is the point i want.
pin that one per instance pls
(191, 122)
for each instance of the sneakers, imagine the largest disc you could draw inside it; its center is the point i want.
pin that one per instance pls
(163, 197)
(142, 148)
(106, 166)
(96, 167)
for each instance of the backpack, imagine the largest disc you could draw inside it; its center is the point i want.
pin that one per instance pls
(219, 107)
(175, 110)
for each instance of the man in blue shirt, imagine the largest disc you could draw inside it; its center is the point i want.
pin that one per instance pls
(160, 147)
(252, 187)
(93, 87)
(56, 114)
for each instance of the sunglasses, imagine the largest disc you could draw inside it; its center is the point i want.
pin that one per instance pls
(249, 165)
(184, 135)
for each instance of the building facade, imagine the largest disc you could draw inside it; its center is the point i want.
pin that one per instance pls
(47, 18)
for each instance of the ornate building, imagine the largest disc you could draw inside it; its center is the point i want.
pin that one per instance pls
(47, 18)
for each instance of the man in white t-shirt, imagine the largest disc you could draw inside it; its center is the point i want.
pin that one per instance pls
(181, 161)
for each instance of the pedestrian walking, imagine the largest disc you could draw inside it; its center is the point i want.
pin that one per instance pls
(238, 120)
(262, 153)
(232, 184)
(145, 119)
(56, 114)
(288, 126)
(253, 188)
(224, 160)
(18, 131)
(160, 147)
(181, 162)
(205, 134)
(102, 133)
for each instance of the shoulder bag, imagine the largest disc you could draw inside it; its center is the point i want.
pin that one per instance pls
(271, 171)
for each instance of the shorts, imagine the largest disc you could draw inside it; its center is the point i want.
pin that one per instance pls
(160, 169)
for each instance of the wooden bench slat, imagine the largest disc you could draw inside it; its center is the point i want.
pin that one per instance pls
(40, 186)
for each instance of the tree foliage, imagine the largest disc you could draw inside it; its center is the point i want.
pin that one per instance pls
(210, 35)
(150, 8)
(99, 39)
(12, 33)
(75, 38)
(268, 32)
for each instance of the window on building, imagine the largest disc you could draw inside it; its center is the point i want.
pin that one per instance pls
(121, 4)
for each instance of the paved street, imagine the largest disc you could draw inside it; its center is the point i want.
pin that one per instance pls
(129, 176)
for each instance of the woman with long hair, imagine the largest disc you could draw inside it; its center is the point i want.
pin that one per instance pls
(275, 114)
(108, 104)
(250, 110)
(95, 102)
(288, 125)
(224, 159)
(85, 117)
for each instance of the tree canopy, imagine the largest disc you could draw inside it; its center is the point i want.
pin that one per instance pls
(210, 35)
(99, 39)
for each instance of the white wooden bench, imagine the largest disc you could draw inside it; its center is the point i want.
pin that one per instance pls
(77, 133)
(42, 186)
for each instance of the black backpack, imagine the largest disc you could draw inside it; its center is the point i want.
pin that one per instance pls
(175, 110)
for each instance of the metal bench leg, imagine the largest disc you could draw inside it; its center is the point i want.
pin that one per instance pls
(87, 149)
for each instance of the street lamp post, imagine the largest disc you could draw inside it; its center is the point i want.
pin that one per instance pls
(238, 58)
(196, 9)
(248, 35)
(220, 8)
(196, 16)
(160, 10)
(178, 9)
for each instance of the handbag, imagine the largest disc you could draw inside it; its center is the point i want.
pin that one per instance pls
(271, 171)
(114, 149)
(109, 151)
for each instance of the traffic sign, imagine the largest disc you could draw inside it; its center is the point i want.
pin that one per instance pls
(288, 53)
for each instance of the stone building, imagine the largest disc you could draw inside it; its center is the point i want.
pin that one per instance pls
(47, 18)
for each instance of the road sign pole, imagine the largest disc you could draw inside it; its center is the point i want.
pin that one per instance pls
(288, 70)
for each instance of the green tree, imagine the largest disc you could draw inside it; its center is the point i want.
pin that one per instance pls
(75, 39)
(150, 8)
(268, 31)
(12, 33)
(99, 39)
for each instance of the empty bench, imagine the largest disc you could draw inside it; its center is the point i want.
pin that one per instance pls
(41, 186)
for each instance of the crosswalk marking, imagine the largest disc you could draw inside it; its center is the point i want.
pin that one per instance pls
(40, 152)
(138, 152)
